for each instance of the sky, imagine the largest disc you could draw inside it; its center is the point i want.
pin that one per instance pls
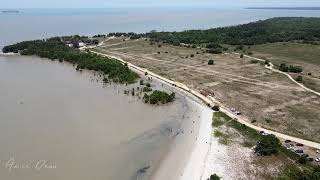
(154, 3)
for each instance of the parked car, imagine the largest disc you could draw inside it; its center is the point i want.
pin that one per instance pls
(317, 159)
(299, 144)
(264, 133)
(318, 151)
(287, 141)
(289, 148)
(299, 151)
(238, 113)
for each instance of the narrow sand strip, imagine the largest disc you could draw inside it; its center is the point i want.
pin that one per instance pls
(196, 164)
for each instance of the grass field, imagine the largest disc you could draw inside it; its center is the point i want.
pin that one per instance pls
(289, 52)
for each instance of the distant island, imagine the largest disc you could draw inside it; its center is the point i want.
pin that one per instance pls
(286, 8)
(10, 11)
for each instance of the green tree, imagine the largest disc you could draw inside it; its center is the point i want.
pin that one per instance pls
(210, 62)
(268, 145)
(299, 78)
(214, 177)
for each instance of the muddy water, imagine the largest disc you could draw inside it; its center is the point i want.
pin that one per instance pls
(57, 123)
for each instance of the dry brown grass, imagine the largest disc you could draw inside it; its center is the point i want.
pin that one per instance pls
(268, 97)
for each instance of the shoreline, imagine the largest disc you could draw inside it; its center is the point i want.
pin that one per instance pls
(197, 161)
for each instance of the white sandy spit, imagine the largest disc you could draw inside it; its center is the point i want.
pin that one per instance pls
(208, 156)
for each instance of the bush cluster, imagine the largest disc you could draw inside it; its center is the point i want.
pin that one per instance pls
(157, 97)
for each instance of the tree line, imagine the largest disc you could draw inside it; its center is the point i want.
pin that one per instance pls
(282, 29)
(56, 49)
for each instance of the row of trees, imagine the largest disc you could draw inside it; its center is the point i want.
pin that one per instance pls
(55, 49)
(295, 69)
(268, 31)
(131, 35)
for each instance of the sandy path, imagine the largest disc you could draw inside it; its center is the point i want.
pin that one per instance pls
(231, 77)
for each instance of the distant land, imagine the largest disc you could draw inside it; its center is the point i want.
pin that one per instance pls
(287, 8)
(10, 11)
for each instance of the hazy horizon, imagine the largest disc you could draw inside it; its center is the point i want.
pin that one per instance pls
(164, 3)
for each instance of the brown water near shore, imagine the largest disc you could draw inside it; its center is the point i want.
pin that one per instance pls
(57, 123)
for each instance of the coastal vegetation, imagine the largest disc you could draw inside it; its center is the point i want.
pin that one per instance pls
(214, 177)
(268, 145)
(157, 97)
(294, 69)
(219, 118)
(282, 29)
(56, 49)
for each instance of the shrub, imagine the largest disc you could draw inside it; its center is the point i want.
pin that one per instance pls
(146, 73)
(215, 51)
(254, 61)
(148, 85)
(105, 80)
(299, 79)
(214, 177)
(147, 89)
(211, 62)
(213, 46)
(158, 52)
(241, 56)
(295, 69)
(267, 62)
(141, 82)
(216, 108)
(239, 47)
(268, 145)
(192, 55)
(159, 96)
(250, 53)
(303, 159)
(146, 98)
(159, 46)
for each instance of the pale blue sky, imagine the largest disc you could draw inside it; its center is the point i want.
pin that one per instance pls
(157, 3)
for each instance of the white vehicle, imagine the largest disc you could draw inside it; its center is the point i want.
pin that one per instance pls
(318, 151)
(317, 159)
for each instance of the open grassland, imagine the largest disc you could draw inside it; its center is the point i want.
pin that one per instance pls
(290, 52)
(269, 98)
(305, 55)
